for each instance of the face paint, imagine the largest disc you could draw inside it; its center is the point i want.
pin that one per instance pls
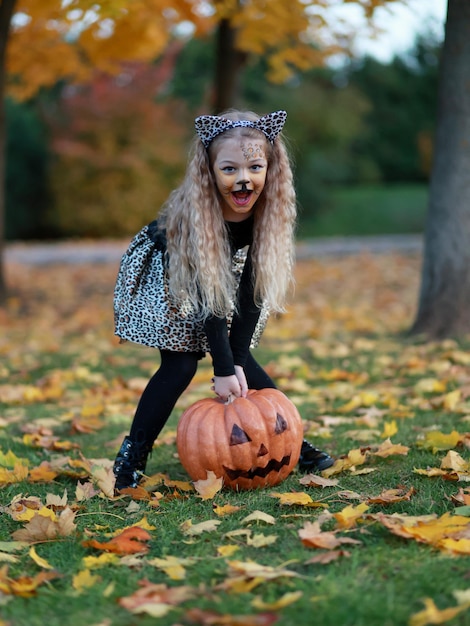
(253, 151)
(239, 169)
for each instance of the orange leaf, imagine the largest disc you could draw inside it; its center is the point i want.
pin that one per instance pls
(24, 586)
(130, 541)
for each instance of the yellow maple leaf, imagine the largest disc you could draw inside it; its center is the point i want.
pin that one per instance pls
(299, 498)
(450, 400)
(227, 509)
(16, 475)
(455, 546)
(436, 471)
(365, 398)
(434, 531)
(436, 440)
(227, 551)
(39, 560)
(84, 580)
(10, 459)
(429, 385)
(24, 586)
(390, 429)
(454, 461)
(432, 615)
(260, 541)
(43, 473)
(94, 562)
(173, 566)
(285, 600)
(347, 517)
(28, 514)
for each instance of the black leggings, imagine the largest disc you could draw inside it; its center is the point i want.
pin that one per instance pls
(176, 371)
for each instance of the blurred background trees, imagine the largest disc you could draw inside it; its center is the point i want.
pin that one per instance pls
(98, 159)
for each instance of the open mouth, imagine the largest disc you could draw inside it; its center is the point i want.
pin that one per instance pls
(241, 198)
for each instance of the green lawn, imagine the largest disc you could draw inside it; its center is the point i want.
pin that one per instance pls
(369, 210)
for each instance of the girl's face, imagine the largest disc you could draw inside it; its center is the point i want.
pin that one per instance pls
(240, 166)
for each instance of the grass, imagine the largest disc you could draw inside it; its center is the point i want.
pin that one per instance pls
(339, 340)
(369, 210)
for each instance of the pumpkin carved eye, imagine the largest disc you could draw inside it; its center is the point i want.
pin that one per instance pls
(281, 424)
(238, 436)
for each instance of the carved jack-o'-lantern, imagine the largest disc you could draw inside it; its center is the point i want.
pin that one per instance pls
(250, 442)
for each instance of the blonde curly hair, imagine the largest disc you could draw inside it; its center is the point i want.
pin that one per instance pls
(198, 251)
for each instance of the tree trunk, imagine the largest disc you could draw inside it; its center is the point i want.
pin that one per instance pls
(6, 12)
(229, 63)
(444, 301)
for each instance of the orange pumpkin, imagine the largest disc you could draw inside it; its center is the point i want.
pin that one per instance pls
(251, 442)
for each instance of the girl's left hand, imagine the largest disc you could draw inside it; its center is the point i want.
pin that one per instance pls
(227, 386)
(240, 374)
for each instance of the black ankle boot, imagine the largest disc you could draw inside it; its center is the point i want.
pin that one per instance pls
(130, 463)
(312, 459)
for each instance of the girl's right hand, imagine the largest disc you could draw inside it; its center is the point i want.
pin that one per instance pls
(226, 386)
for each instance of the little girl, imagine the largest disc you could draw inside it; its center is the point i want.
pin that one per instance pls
(204, 276)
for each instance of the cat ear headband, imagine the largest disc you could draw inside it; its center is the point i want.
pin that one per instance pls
(209, 126)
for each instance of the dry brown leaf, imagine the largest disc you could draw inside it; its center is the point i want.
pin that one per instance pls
(44, 528)
(390, 496)
(156, 600)
(312, 480)
(327, 557)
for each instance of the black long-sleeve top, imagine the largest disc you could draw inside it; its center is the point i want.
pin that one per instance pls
(228, 351)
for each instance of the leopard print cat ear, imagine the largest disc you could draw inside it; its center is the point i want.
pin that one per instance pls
(209, 126)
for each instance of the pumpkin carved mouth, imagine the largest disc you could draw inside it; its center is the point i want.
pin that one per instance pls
(261, 472)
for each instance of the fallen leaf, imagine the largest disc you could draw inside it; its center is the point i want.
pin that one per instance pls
(312, 480)
(296, 498)
(44, 528)
(327, 557)
(84, 580)
(156, 600)
(209, 487)
(192, 530)
(259, 516)
(39, 560)
(174, 567)
(390, 496)
(348, 517)
(23, 586)
(227, 509)
(130, 541)
(432, 615)
(285, 600)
